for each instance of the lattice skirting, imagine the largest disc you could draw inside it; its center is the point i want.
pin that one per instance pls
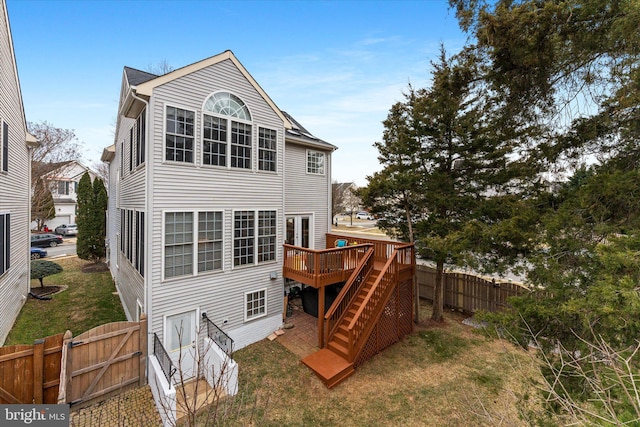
(395, 322)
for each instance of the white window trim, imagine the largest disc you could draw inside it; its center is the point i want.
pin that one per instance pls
(266, 300)
(7, 212)
(306, 163)
(196, 230)
(277, 171)
(164, 136)
(255, 237)
(229, 119)
(194, 266)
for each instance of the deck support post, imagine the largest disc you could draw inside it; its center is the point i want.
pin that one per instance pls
(321, 317)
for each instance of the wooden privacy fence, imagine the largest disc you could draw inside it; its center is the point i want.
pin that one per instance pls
(31, 373)
(466, 292)
(105, 360)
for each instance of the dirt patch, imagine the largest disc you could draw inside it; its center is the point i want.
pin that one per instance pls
(46, 290)
(95, 267)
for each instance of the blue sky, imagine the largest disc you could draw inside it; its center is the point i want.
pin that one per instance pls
(336, 66)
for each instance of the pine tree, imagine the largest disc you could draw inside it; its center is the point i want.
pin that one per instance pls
(448, 173)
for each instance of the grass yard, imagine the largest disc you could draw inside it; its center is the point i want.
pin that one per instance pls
(441, 375)
(88, 301)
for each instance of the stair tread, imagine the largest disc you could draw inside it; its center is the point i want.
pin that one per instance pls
(327, 364)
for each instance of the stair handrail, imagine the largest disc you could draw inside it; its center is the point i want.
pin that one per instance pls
(366, 320)
(349, 291)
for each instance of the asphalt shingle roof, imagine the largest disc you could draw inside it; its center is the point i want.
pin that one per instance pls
(135, 77)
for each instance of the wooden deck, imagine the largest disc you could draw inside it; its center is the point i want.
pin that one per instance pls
(376, 298)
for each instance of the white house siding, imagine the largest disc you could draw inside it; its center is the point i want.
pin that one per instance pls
(192, 187)
(307, 193)
(14, 186)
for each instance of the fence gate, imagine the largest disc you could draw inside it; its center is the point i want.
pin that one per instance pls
(103, 361)
(31, 373)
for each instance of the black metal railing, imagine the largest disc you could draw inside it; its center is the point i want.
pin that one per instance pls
(166, 364)
(218, 336)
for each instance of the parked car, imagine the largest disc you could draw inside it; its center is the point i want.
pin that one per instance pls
(37, 253)
(67, 229)
(46, 239)
(364, 215)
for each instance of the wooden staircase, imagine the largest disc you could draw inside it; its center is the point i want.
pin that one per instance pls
(331, 364)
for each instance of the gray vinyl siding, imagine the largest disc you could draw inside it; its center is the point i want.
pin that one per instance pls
(193, 187)
(130, 195)
(113, 217)
(307, 193)
(14, 188)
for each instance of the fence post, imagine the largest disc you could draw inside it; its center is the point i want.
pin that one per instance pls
(64, 393)
(38, 371)
(143, 349)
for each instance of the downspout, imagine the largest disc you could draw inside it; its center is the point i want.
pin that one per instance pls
(147, 220)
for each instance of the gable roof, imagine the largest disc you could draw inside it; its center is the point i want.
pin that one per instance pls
(136, 77)
(60, 169)
(146, 82)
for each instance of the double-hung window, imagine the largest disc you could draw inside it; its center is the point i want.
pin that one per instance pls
(226, 132)
(209, 241)
(243, 237)
(214, 149)
(178, 244)
(63, 188)
(5, 242)
(267, 140)
(254, 237)
(315, 162)
(141, 135)
(266, 236)
(179, 135)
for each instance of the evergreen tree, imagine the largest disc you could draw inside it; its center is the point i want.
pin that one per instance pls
(100, 201)
(449, 175)
(84, 218)
(574, 66)
(43, 268)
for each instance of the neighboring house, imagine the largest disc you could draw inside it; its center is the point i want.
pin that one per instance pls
(208, 178)
(15, 179)
(63, 179)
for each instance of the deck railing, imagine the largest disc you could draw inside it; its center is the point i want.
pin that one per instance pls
(165, 362)
(348, 293)
(218, 336)
(400, 264)
(321, 267)
(382, 248)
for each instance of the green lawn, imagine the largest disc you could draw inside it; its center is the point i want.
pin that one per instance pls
(440, 375)
(88, 301)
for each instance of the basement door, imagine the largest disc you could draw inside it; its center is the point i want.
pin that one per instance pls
(299, 230)
(181, 342)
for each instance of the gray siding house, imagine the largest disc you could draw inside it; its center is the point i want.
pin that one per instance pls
(208, 178)
(15, 185)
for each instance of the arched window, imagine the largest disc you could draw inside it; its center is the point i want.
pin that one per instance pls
(226, 141)
(227, 104)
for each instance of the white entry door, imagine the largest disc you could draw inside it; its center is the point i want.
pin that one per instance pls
(299, 230)
(181, 342)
